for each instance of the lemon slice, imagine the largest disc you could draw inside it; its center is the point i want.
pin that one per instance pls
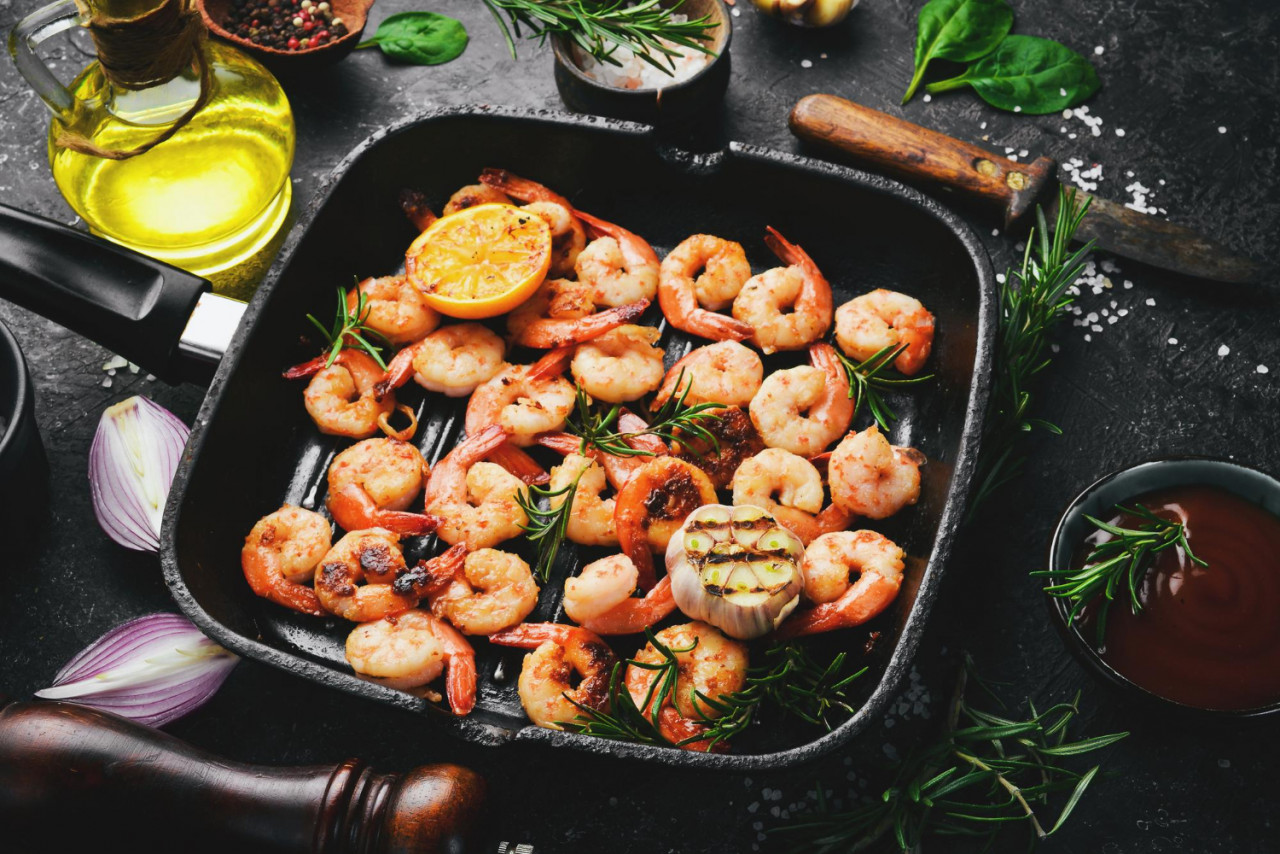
(481, 261)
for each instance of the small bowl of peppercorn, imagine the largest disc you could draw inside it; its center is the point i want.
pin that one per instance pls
(289, 35)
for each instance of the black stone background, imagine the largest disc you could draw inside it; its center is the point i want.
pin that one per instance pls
(1173, 72)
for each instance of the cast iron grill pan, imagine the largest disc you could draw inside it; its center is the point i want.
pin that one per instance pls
(254, 447)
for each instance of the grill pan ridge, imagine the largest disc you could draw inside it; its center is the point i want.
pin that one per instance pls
(253, 446)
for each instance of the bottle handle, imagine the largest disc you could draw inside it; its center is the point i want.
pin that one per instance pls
(27, 35)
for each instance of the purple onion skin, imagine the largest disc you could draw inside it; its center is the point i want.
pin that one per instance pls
(157, 701)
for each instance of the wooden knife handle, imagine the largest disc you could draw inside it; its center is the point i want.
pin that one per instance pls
(909, 151)
(78, 779)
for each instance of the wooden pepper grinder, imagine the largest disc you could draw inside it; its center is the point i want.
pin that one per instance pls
(78, 779)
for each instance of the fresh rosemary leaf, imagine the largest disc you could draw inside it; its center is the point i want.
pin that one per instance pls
(873, 375)
(1033, 299)
(673, 419)
(349, 330)
(1121, 561)
(627, 720)
(547, 527)
(600, 28)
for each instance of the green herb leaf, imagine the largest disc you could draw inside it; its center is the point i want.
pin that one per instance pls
(1028, 74)
(673, 419)
(547, 527)
(959, 30)
(349, 330)
(873, 375)
(420, 38)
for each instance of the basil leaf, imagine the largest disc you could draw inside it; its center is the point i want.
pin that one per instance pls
(959, 30)
(421, 38)
(1030, 75)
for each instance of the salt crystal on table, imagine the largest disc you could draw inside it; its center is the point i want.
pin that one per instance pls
(1119, 131)
(806, 63)
(927, 97)
(1151, 300)
(1262, 369)
(982, 126)
(1221, 129)
(1088, 337)
(1173, 341)
(1224, 350)
(1098, 50)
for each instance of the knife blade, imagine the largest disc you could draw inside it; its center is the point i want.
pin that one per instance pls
(896, 146)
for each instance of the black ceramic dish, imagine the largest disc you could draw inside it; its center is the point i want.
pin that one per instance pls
(1097, 500)
(253, 446)
(693, 101)
(24, 468)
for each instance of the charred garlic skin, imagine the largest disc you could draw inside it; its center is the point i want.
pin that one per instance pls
(735, 568)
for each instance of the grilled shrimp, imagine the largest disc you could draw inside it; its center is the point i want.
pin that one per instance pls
(707, 664)
(394, 308)
(830, 562)
(342, 398)
(356, 578)
(725, 372)
(787, 308)
(678, 295)
(725, 269)
(653, 505)
(591, 516)
(621, 365)
(806, 408)
(475, 194)
(867, 324)
(280, 556)
(452, 360)
(736, 441)
(789, 488)
(560, 313)
(869, 477)
(409, 650)
(525, 400)
(599, 598)
(475, 499)
(568, 237)
(621, 266)
(372, 483)
(488, 592)
(547, 685)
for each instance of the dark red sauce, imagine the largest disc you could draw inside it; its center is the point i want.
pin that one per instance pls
(1208, 637)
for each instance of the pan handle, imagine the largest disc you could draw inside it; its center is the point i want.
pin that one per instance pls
(156, 316)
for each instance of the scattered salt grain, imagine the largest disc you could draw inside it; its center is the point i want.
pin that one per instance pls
(995, 232)
(735, 13)
(822, 56)
(107, 383)
(983, 126)
(1263, 369)
(1173, 341)
(1224, 350)
(1000, 278)
(1062, 92)
(1098, 50)
(1017, 109)
(114, 363)
(1128, 285)
(1088, 337)
(806, 63)
(1151, 300)
(1023, 152)
(927, 97)
(1221, 129)
(1119, 131)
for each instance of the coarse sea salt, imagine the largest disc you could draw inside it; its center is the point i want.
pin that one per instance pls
(634, 73)
(1263, 369)
(1224, 350)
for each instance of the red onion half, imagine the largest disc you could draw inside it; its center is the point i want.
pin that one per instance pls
(135, 452)
(153, 670)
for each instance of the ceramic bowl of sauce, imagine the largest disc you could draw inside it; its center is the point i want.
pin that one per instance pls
(1207, 638)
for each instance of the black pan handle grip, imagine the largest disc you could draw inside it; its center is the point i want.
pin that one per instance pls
(134, 305)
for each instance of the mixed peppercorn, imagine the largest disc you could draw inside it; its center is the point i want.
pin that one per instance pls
(285, 24)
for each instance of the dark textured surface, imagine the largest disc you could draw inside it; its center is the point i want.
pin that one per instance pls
(1173, 73)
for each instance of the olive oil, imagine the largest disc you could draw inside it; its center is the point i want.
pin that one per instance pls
(208, 199)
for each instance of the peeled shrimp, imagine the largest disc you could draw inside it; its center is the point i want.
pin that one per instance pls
(678, 295)
(599, 598)
(560, 313)
(789, 488)
(829, 561)
(591, 516)
(652, 507)
(568, 237)
(725, 269)
(546, 686)
(452, 360)
(787, 308)
(280, 556)
(707, 663)
(867, 324)
(409, 650)
(475, 499)
(725, 372)
(355, 579)
(621, 266)
(372, 483)
(342, 399)
(619, 366)
(806, 408)
(394, 308)
(475, 194)
(490, 591)
(870, 477)
(524, 400)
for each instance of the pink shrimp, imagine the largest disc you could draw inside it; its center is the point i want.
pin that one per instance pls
(677, 294)
(621, 266)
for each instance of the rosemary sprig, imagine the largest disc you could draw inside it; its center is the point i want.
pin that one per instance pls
(627, 721)
(985, 771)
(349, 329)
(547, 527)
(595, 427)
(600, 28)
(1032, 301)
(1123, 559)
(873, 375)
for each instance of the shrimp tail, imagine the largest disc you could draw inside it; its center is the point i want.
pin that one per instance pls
(533, 635)
(522, 189)
(552, 364)
(307, 369)
(399, 369)
(519, 463)
(722, 327)
(415, 207)
(861, 602)
(629, 422)
(600, 227)
(460, 684)
(787, 252)
(431, 577)
(354, 510)
(561, 443)
(479, 446)
(678, 730)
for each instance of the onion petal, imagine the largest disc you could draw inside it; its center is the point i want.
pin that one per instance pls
(134, 455)
(153, 670)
